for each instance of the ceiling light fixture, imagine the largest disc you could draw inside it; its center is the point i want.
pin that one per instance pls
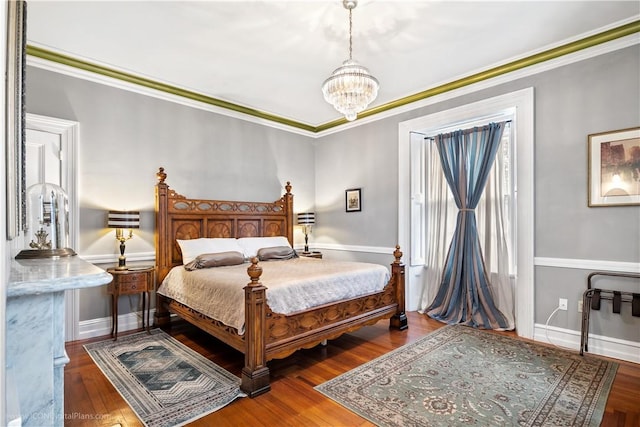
(350, 88)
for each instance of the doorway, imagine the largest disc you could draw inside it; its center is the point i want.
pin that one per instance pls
(52, 156)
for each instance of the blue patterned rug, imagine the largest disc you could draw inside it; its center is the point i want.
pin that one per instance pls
(164, 382)
(460, 376)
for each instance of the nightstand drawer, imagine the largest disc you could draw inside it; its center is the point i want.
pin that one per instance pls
(131, 281)
(135, 282)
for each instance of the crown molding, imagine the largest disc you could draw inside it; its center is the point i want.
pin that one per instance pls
(624, 35)
(595, 45)
(66, 64)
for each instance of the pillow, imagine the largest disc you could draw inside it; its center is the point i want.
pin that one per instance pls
(219, 259)
(250, 245)
(193, 247)
(276, 252)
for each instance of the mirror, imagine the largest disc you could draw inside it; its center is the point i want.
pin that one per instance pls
(15, 118)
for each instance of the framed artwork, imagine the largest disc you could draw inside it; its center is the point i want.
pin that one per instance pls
(353, 200)
(15, 119)
(614, 168)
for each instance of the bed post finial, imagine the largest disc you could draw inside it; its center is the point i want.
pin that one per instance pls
(398, 255)
(254, 272)
(288, 187)
(161, 175)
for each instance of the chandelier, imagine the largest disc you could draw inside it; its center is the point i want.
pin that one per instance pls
(350, 88)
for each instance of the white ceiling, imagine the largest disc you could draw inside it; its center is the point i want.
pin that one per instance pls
(274, 55)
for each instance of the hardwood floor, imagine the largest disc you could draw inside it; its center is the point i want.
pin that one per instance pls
(90, 400)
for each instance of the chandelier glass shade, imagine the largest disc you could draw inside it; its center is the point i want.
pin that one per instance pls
(350, 88)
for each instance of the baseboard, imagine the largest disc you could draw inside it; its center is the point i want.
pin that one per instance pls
(598, 344)
(102, 326)
(566, 338)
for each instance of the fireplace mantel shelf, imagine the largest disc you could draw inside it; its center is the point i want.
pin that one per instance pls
(42, 275)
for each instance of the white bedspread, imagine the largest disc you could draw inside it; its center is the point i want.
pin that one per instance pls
(293, 285)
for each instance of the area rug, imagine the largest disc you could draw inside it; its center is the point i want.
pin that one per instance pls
(459, 376)
(164, 382)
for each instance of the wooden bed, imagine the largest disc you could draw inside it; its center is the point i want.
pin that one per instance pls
(268, 335)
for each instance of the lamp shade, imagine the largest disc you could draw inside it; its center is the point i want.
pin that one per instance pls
(306, 218)
(123, 219)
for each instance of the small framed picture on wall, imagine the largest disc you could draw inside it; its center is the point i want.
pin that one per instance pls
(353, 200)
(614, 168)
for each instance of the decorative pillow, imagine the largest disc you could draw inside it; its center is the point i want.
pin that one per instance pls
(276, 252)
(219, 259)
(250, 245)
(193, 247)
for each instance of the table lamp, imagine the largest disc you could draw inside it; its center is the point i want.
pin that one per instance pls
(123, 221)
(306, 220)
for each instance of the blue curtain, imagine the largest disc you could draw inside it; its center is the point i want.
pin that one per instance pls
(464, 295)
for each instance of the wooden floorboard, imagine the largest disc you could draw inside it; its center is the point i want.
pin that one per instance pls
(91, 400)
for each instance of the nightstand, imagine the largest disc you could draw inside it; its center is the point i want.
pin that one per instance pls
(314, 254)
(136, 280)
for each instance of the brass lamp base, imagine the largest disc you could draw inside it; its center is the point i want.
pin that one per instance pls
(122, 263)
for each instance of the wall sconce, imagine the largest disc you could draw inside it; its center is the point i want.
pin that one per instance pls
(306, 220)
(123, 221)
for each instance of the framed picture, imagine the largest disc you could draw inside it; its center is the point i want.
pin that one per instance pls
(15, 119)
(353, 200)
(614, 168)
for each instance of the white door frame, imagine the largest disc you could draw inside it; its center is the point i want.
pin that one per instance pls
(523, 101)
(69, 133)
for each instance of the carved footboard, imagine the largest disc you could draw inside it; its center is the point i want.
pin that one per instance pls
(271, 335)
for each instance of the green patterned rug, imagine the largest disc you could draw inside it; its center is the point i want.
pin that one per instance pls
(459, 376)
(164, 382)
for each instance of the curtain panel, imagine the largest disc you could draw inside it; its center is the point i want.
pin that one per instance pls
(465, 294)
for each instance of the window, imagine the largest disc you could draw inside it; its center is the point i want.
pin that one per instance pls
(433, 209)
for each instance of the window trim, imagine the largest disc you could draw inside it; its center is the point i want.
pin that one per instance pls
(523, 101)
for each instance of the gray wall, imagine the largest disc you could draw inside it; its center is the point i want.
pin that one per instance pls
(125, 137)
(571, 102)
(364, 157)
(589, 97)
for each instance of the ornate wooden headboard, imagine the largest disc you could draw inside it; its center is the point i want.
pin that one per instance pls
(178, 217)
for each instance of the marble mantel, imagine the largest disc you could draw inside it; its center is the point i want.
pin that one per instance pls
(35, 313)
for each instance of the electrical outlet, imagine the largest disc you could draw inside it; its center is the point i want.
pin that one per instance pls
(562, 304)
(580, 306)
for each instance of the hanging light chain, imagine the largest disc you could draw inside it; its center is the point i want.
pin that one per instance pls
(350, 33)
(350, 88)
